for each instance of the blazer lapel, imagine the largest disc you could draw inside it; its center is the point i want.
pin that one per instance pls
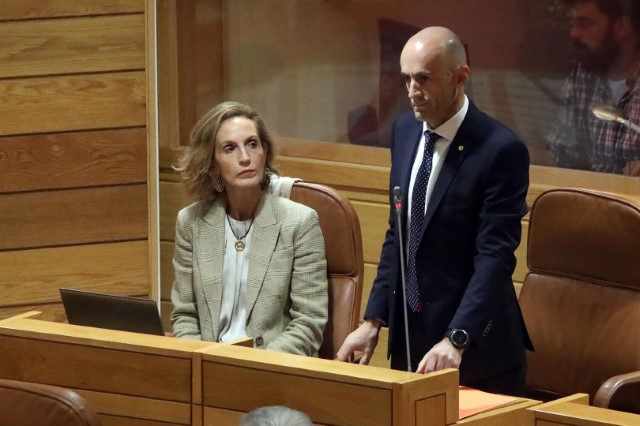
(412, 141)
(263, 242)
(457, 152)
(447, 172)
(209, 250)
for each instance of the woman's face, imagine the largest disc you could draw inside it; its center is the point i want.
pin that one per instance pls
(239, 155)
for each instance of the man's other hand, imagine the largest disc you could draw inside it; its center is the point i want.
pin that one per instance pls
(442, 355)
(364, 339)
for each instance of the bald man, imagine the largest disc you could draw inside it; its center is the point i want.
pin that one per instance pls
(464, 179)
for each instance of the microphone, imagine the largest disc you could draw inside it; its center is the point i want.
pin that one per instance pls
(612, 113)
(397, 201)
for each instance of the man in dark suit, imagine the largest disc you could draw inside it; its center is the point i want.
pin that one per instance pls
(464, 179)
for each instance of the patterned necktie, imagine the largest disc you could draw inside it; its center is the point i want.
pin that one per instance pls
(418, 197)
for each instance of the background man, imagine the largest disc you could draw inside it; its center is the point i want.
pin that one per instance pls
(464, 178)
(605, 35)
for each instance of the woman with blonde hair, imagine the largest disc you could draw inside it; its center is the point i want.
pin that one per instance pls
(248, 263)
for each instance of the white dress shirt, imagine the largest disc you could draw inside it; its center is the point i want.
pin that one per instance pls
(447, 131)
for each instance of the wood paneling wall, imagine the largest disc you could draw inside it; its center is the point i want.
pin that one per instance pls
(73, 151)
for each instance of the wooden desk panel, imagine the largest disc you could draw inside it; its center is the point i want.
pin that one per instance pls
(129, 378)
(80, 366)
(512, 415)
(574, 410)
(236, 380)
(268, 385)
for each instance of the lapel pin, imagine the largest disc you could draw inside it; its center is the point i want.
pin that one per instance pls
(461, 148)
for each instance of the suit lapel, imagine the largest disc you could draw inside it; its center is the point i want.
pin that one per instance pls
(210, 248)
(448, 171)
(263, 242)
(458, 150)
(412, 141)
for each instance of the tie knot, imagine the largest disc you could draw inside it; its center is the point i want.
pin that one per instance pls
(431, 136)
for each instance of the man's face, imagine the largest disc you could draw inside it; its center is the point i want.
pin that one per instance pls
(431, 83)
(592, 36)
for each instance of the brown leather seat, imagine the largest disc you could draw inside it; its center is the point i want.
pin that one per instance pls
(581, 297)
(345, 267)
(25, 403)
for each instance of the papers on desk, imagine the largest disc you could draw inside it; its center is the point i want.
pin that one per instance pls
(474, 401)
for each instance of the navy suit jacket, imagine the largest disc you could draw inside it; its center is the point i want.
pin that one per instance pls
(466, 254)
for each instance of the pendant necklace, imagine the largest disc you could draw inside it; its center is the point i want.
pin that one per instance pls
(240, 245)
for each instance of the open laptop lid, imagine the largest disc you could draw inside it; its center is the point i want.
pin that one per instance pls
(110, 311)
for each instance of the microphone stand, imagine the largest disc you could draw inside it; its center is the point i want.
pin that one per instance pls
(397, 200)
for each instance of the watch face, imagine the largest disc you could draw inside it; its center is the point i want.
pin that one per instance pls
(459, 338)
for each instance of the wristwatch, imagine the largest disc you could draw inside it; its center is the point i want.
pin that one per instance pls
(459, 338)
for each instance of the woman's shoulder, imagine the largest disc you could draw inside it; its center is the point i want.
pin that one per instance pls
(194, 210)
(292, 210)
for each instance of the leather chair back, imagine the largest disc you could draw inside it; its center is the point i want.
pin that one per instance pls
(25, 403)
(581, 297)
(345, 267)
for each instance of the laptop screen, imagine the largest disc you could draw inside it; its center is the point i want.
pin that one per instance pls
(124, 313)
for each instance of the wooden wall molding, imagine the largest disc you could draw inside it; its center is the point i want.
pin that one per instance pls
(72, 45)
(32, 9)
(73, 159)
(78, 216)
(30, 277)
(80, 102)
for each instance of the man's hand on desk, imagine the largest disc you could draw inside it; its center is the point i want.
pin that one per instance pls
(364, 339)
(442, 355)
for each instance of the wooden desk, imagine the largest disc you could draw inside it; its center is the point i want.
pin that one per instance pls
(511, 415)
(129, 378)
(236, 380)
(138, 379)
(575, 410)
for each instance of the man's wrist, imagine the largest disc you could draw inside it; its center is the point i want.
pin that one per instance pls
(375, 322)
(459, 338)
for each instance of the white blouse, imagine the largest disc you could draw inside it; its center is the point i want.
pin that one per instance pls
(233, 310)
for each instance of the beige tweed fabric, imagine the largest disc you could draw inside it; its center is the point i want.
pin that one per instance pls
(287, 301)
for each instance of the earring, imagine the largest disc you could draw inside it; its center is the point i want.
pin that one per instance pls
(218, 183)
(266, 179)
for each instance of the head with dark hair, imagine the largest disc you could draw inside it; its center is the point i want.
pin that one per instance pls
(199, 164)
(615, 9)
(603, 30)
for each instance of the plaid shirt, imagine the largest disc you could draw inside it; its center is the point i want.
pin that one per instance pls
(582, 141)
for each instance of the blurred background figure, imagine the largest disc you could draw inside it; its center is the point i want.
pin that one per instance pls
(605, 34)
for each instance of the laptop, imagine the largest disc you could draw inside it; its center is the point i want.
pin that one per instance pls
(125, 313)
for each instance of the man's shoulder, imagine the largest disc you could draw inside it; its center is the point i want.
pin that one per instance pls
(481, 125)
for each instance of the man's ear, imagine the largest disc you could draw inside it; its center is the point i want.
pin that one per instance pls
(462, 74)
(622, 28)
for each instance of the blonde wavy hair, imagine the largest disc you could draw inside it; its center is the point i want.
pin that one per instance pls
(195, 163)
